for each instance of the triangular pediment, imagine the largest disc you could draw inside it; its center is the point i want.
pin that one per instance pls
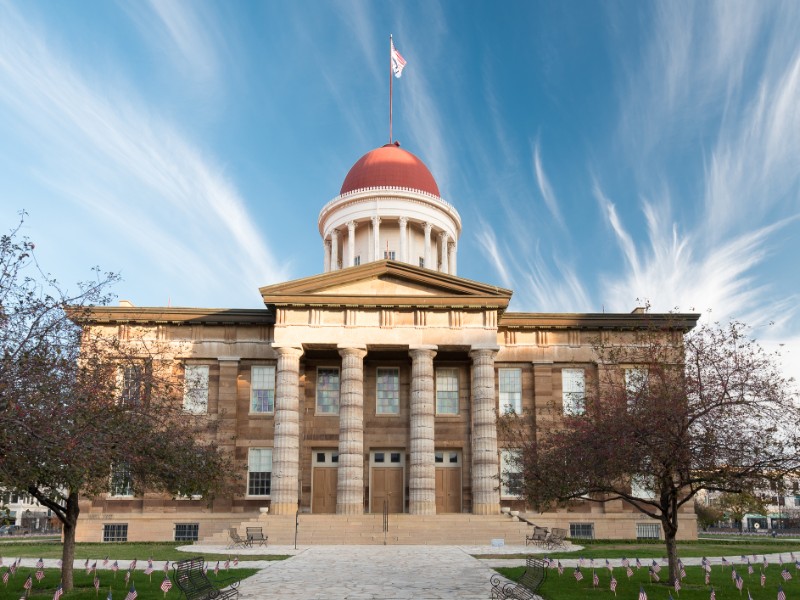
(385, 283)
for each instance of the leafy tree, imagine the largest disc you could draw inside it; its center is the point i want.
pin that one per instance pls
(707, 515)
(703, 409)
(69, 419)
(736, 505)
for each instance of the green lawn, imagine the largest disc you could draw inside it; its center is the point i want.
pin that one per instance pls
(147, 588)
(565, 587)
(656, 549)
(158, 551)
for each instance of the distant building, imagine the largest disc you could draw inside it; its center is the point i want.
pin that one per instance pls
(24, 510)
(375, 385)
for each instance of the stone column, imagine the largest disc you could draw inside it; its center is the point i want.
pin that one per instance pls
(286, 445)
(452, 252)
(327, 244)
(334, 249)
(427, 255)
(443, 238)
(351, 243)
(404, 239)
(350, 482)
(376, 238)
(422, 470)
(485, 464)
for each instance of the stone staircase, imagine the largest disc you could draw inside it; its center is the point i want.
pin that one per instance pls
(448, 529)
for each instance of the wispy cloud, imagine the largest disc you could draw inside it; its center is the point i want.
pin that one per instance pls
(130, 167)
(545, 188)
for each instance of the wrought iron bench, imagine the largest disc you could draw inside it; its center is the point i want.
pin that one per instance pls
(255, 535)
(524, 589)
(538, 537)
(191, 579)
(236, 540)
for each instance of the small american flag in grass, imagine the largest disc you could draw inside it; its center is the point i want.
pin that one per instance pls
(578, 574)
(166, 585)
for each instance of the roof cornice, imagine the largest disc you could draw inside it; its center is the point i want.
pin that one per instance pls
(631, 321)
(98, 315)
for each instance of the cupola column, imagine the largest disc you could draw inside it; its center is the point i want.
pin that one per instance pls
(376, 238)
(452, 249)
(327, 245)
(334, 249)
(351, 243)
(485, 465)
(286, 445)
(427, 255)
(350, 483)
(422, 470)
(404, 239)
(443, 238)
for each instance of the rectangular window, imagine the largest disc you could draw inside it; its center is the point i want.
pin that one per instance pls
(643, 486)
(635, 383)
(328, 391)
(648, 531)
(446, 391)
(573, 391)
(130, 386)
(581, 530)
(195, 390)
(387, 392)
(422, 261)
(510, 474)
(187, 532)
(121, 480)
(115, 532)
(259, 471)
(388, 254)
(357, 260)
(510, 385)
(262, 389)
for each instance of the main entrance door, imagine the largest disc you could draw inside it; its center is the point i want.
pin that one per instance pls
(448, 482)
(323, 482)
(387, 481)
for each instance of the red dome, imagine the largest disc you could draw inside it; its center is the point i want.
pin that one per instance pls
(390, 166)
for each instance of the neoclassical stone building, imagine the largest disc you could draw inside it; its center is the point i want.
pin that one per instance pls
(373, 387)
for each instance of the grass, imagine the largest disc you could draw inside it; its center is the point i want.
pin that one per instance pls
(146, 588)
(158, 551)
(656, 549)
(565, 587)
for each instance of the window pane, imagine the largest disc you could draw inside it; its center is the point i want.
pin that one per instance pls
(195, 391)
(446, 391)
(328, 391)
(262, 389)
(511, 477)
(510, 386)
(115, 532)
(635, 383)
(259, 475)
(130, 394)
(379, 457)
(187, 532)
(121, 481)
(438, 457)
(573, 386)
(387, 394)
(581, 530)
(394, 457)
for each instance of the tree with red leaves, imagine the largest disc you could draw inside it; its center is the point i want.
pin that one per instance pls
(669, 413)
(66, 420)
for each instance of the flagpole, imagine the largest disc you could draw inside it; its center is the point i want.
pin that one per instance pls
(390, 88)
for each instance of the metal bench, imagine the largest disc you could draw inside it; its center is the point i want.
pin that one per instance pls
(557, 539)
(524, 589)
(255, 535)
(538, 537)
(236, 540)
(195, 585)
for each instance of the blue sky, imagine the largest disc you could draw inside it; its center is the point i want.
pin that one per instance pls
(598, 153)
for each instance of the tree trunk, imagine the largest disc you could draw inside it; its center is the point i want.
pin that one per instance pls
(68, 549)
(670, 531)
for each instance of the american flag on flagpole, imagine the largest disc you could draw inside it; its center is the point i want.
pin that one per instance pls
(235, 560)
(28, 583)
(40, 563)
(398, 62)
(5, 576)
(739, 583)
(654, 575)
(629, 572)
(96, 583)
(786, 575)
(166, 585)
(781, 593)
(39, 575)
(763, 579)
(713, 595)
(677, 585)
(578, 574)
(613, 585)
(131, 593)
(166, 567)
(59, 592)
(642, 593)
(595, 579)
(560, 568)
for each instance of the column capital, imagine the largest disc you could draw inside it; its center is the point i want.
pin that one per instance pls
(428, 228)
(334, 234)
(403, 221)
(351, 225)
(481, 351)
(295, 351)
(376, 220)
(229, 358)
(443, 235)
(357, 351)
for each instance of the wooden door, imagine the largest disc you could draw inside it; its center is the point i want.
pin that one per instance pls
(448, 490)
(387, 485)
(323, 500)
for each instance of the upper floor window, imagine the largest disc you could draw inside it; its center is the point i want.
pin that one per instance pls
(387, 391)
(388, 254)
(635, 383)
(510, 474)
(422, 261)
(357, 260)
(328, 390)
(262, 389)
(121, 480)
(195, 390)
(510, 386)
(573, 391)
(259, 471)
(446, 391)
(130, 385)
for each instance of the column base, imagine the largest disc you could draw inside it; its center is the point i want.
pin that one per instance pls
(486, 509)
(349, 509)
(422, 508)
(283, 508)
